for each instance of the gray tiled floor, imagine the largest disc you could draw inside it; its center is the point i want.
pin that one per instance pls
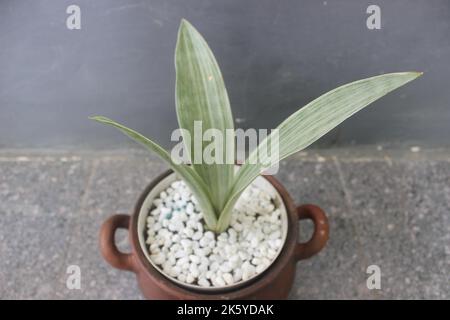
(385, 208)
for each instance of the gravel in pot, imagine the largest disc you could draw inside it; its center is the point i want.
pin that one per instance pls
(177, 242)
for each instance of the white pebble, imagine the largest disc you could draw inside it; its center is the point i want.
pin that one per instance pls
(189, 208)
(209, 235)
(185, 266)
(165, 211)
(194, 259)
(182, 260)
(228, 278)
(197, 236)
(186, 243)
(237, 275)
(202, 268)
(223, 237)
(203, 282)
(154, 248)
(260, 268)
(175, 271)
(176, 238)
(275, 235)
(214, 266)
(166, 265)
(157, 226)
(218, 280)
(167, 269)
(234, 260)
(194, 270)
(155, 212)
(200, 252)
(226, 267)
(188, 232)
(271, 254)
(238, 227)
(190, 278)
(247, 274)
(176, 226)
(191, 224)
(243, 255)
(204, 241)
(254, 242)
(171, 260)
(180, 254)
(182, 247)
(158, 258)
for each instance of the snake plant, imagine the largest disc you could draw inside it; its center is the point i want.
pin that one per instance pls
(201, 96)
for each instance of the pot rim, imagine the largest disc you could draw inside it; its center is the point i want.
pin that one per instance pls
(286, 255)
(163, 184)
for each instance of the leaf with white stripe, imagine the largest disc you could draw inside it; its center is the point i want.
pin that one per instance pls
(192, 179)
(201, 96)
(313, 121)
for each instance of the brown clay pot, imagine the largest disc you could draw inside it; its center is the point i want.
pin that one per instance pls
(274, 283)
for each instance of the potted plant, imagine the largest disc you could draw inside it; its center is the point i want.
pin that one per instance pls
(213, 230)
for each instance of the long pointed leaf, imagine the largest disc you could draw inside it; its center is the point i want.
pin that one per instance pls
(201, 96)
(313, 121)
(192, 179)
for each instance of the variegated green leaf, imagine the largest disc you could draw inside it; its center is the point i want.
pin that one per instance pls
(313, 121)
(201, 96)
(192, 179)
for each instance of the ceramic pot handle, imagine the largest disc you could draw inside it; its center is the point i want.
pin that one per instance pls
(108, 246)
(321, 231)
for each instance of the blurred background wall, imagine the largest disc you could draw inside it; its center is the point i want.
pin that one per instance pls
(275, 57)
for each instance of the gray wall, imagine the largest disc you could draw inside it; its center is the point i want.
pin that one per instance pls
(275, 56)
